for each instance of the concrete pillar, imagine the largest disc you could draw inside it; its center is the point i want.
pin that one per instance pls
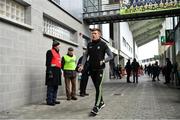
(117, 40)
(134, 51)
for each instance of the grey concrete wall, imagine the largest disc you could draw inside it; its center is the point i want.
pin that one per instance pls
(116, 35)
(21, 66)
(22, 56)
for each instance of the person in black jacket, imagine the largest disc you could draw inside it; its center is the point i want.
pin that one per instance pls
(135, 69)
(53, 73)
(168, 70)
(128, 71)
(156, 71)
(96, 50)
(84, 77)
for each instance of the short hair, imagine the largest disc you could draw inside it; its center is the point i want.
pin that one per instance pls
(70, 49)
(96, 29)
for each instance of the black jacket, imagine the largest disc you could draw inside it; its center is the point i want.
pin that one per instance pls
(135, 66)
(96, 52)
(53, 74)
(128, 67)
(86, 66)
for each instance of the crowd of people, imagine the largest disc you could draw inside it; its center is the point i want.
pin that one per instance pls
(130, 69)
(153, 70)
(135, 70)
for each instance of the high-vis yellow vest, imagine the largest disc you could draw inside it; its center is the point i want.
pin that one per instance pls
(70, 62)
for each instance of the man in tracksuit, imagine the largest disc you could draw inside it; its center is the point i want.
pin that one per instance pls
(96, 50)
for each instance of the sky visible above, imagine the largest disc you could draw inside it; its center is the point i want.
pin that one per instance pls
(148, 50)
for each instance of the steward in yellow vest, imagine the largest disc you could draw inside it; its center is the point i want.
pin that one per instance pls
(70, 62)
(69, 68)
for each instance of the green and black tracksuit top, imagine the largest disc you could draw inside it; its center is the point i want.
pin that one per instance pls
(96, 51)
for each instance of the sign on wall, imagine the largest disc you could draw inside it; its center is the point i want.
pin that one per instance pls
(169, 38)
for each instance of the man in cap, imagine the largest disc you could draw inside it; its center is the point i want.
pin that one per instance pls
(53, 73)
(69, 69)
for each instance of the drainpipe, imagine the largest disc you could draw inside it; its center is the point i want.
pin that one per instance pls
(174, 46)
(99, 9)
(99, 6)
(119, 41)
(174, 53)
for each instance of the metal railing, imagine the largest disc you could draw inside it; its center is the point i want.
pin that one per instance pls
(98, 12)
(92, 6)
(130, 7)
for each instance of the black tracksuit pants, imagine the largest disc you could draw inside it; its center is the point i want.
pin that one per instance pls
(97, 78)
(83, 82)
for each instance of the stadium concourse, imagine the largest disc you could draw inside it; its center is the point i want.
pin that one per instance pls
(145, 100)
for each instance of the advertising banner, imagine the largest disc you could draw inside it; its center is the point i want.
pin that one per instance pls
(148, 6)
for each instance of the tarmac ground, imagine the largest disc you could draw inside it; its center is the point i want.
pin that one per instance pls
(143, 100)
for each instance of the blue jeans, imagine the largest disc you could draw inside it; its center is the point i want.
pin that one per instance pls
(51, 93)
